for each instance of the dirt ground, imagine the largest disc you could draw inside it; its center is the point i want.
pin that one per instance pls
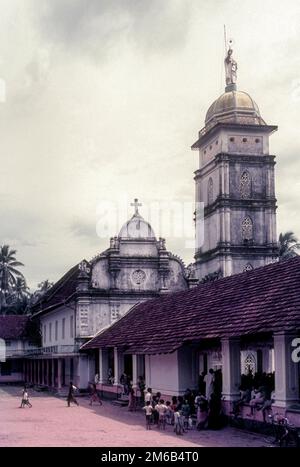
(51, 423)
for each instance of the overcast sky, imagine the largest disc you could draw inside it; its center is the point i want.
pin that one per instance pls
(104, 99)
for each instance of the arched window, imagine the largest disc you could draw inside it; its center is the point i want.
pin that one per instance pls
(248, 267)
(250, 364)
(245, 185)
(247, 229)
(210, 191)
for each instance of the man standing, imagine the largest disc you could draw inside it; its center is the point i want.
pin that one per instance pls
(209, 383)
(71, 397)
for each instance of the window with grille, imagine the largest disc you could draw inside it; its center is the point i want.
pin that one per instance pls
(248, 267)
(210, 191)
(247, 229)
(245, 185)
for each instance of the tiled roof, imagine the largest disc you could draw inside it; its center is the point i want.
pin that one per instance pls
(60, 291)
(15, 327)
(263, 300)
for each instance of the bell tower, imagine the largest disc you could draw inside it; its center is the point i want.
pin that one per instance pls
(236, 230)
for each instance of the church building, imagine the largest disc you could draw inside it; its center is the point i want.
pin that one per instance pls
(134, 308)
(93, 295)
(244, 322)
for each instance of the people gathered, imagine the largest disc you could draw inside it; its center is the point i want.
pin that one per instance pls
(203, 408)
(195, 409)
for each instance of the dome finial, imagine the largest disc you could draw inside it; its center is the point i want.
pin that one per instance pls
(136, 206)
(230, 66)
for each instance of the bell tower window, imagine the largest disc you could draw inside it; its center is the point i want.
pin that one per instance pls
(210, 191)
(247, 229)
(245, 185)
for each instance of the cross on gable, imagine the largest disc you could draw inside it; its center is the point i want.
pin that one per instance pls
(136, 205)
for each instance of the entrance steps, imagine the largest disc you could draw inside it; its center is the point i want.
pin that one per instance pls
(122, 401)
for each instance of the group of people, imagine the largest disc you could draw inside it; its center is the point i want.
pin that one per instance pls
(205, 406)
(94, 396)
(201, 409)
(257, 391)
(159, 413)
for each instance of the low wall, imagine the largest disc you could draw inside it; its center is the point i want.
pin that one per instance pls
(13, 378)
(293, 415)
(109, 391)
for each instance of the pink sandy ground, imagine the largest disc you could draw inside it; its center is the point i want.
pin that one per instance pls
(51, 423)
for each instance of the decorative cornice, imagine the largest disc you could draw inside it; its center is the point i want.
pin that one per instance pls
(205, 134)
(253, 159)
(270, 250)
(252, 204)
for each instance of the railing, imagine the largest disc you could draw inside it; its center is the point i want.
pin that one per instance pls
(14, 352)
(54, 349)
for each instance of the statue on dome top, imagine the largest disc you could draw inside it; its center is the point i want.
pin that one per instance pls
(230, 67)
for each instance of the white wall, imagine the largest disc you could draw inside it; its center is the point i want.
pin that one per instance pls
(13, 347)
(188, 368)
(82, 379)
(100, 275)
(161, 372)
(58, 315)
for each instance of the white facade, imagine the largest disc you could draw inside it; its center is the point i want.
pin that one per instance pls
(135, 267)
(58, 328)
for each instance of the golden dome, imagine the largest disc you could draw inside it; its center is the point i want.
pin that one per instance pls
(234, 107)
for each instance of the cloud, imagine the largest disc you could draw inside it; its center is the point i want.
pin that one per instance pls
(105, 98)
(95, 27)
(83, 228)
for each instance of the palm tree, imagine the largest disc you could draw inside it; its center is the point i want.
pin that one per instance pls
(8, 273)
(288, 245)
(20, 289)
(44, 286)
(18, 300)
(42, 289)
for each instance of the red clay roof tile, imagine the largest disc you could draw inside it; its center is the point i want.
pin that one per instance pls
(263, 300)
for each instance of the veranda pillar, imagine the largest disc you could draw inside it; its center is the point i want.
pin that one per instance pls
(103, 366)
(116, 367)
(59, 371)
(286, 370)
(231, 368)
(134, 371)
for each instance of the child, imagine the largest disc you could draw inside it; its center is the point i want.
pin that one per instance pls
(25, 399)
(186, 411)
(148, 395)
(178, 425)
(161, 409)
(148, 412)
(202, 411)
(169, 414)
